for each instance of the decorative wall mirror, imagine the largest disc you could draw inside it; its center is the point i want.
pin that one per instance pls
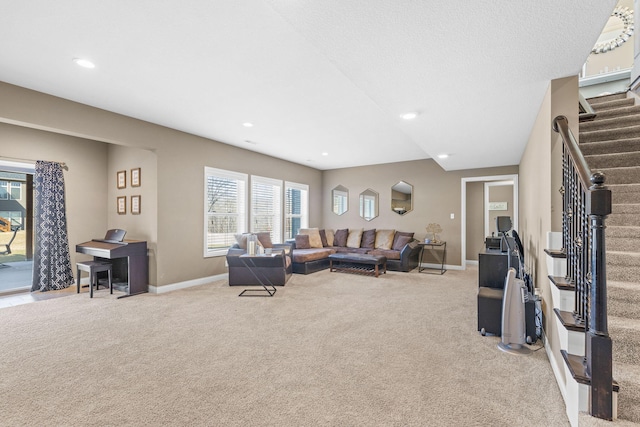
(339, 200)
(402, 198)
(368, 204)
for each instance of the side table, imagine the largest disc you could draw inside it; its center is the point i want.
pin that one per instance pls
(268, 289)
(433, 245)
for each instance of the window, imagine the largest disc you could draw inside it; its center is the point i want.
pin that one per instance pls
(296, 207)
(225, 209)
(10, 190)
(4, 192)
(266, 207)
(16, 190)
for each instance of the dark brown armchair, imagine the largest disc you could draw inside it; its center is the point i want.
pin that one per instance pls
(272, 269)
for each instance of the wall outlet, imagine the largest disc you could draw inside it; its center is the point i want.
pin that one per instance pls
(453, 216)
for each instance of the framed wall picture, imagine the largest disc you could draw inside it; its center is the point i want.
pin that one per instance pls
(122, 205)
(135, 177)
(135, 204)
(121, 179)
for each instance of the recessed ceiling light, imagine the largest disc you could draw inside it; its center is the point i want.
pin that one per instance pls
(325, 154)
(247, 125)
(443, 156)
(409, 116)
(84, 63)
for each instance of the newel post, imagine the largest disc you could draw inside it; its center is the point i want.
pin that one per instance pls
(598, 343)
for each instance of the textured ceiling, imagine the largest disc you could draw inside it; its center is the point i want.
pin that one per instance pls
(312, 76)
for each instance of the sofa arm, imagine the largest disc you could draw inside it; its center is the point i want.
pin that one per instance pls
(409, 255)
(287, 247)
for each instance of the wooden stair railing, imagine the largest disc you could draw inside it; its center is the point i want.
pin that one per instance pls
(586, 203)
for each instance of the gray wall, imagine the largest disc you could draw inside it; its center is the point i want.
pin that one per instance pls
(178, 160)
(437, 194)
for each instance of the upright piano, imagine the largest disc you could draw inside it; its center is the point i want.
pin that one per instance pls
(129, 259)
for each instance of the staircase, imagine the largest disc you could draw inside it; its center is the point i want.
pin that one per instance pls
(611, 144)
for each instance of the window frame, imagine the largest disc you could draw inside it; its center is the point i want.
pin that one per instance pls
(277, 218)
(304, 207)
(242, 215)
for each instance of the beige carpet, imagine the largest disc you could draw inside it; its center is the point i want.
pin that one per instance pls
(329, 349)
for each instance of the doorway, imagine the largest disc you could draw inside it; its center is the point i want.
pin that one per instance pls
(16, 219)
(478, 210)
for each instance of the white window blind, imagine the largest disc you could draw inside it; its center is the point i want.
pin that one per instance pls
(266, 206)
(296, 207)
(225, 201)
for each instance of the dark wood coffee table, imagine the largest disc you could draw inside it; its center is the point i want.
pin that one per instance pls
(369, 265)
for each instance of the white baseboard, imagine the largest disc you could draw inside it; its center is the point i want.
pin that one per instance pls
(437, 266)
(186, 284)
(472, 262)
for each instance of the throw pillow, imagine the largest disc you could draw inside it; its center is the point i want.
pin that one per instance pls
(323, 237)
(340, 238)
(354, 238)
(242, 240)
(384, 239)
(397, 244)
(368, 239)
(329, 234)
(302, 241)
(264, 238)
(314, 236)
(400, 242)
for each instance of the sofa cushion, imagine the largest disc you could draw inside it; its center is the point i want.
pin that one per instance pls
(389, 253)
(306, 255)
(384, 239)
(399, 241)
(344, 249)
(329, 233)
(354, 238)
(340, 238)
(323, 237)
(314, 236)
(264, 238)
(302, 241)
(368, 239)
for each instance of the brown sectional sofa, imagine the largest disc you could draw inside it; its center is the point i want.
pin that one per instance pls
(312, 247)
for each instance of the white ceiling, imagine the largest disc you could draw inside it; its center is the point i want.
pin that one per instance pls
(312, 76)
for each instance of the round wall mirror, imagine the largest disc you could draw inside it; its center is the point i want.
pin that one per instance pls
(368, 204)
(402, 198)
(339, 200)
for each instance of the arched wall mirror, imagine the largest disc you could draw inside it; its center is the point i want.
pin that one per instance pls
(368, 204)
(402, 198)
(339, 200)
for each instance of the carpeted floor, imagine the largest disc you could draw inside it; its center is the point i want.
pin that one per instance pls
(329, 349)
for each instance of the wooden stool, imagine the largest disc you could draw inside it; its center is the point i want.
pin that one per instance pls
(93, 268)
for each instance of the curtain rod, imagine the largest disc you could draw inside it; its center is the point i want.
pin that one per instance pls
(63, 165)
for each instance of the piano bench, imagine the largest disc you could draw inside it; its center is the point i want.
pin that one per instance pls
(93, 268)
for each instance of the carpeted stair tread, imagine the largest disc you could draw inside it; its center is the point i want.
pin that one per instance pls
(629, 232)
(609, 134)
(624, 214)
(607, 104)
(623, 299)
(623, 175)
(626, 339)
(625, 193)
(623, 244)
(605, 98)
(613, 160)
(610, 123)
(617, 112)
(628, 377)
(610, 146)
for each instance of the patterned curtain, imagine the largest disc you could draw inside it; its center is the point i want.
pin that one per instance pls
(51, 261)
